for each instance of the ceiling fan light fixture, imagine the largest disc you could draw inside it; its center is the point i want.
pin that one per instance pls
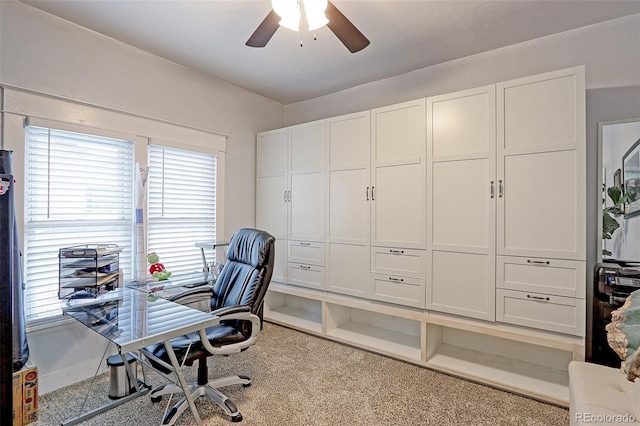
(314, 11)
(289, 12)
(317, 13)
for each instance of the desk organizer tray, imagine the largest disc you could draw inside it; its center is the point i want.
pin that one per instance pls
(89, 270)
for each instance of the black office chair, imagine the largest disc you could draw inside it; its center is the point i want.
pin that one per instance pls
(236, 301)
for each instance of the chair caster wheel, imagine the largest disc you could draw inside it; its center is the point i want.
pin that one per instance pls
(237, 418)
(246, 385)
(156, 398)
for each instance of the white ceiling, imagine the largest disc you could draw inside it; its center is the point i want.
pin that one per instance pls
(209, 36)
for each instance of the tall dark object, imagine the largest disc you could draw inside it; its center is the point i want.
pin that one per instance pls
(12, 320)
(613, 282)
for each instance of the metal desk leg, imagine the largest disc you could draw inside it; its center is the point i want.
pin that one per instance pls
(140, 390)
(183, 382)
(113, 404)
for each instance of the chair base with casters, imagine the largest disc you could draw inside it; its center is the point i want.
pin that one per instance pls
(203, 387)
(199, 346)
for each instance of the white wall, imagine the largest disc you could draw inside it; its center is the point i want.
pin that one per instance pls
(610, 51)
(45, 54)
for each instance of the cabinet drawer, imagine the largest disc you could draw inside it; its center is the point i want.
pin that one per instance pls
(402, 262)
(542, 311)
(401, 290)
(548, 276)
(306, 252)
(306, 275)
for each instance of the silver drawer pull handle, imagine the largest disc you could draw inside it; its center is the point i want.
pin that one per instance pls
(396, 280)
(305, 244)
(305, 267)
(367, 193)
(544, 299)
(492, 191)
(538, 262)
(396, 251)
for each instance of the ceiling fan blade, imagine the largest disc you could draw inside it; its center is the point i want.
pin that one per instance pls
(265, 31)
(348, 34)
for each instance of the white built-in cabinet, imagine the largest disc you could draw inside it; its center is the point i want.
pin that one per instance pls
(462, 189)
(542, 202)
(398, 203)
(376, 203)
(349, 204)
(271, 193)
(290, 199)
(448, 231)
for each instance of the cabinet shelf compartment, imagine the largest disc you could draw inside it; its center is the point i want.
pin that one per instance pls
(293, 311)
(535, 371)
(386, 334)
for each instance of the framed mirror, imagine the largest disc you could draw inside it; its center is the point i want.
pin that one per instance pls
(631, 180)
(619, 183)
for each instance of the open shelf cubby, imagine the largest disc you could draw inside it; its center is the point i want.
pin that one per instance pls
(382, 333)
(529, 362)
(533, 370)
(294, 311)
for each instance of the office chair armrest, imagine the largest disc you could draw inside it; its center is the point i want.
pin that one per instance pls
(227, 310)
(191, 292)
(241, 313)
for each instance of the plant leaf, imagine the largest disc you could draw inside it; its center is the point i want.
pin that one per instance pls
(609, 225)
(615, 194)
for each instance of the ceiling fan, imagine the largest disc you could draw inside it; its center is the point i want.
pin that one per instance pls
(348, 34)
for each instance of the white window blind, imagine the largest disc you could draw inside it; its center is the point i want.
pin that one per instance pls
(181, 206)
(78, 190)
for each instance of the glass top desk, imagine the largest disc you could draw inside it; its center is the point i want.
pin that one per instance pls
(133, 319)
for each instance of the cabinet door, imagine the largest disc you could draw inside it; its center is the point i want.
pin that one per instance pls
(271, 153)
(271, 187)
(541, 166)
(461, 214)
(348, 145)
(398, 193)
(306, 182)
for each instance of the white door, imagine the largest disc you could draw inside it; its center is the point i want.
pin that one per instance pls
(348, 199)
(398, 192)
(271, 194)
(306, 182)
(461, 216)
(541, 166)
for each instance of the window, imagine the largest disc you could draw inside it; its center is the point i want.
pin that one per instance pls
(78, 190)
(181, 206)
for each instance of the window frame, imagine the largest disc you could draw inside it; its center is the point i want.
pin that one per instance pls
(41, 222)
(192, 249)
(22, 106)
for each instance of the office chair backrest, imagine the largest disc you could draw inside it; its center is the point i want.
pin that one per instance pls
(247, 273)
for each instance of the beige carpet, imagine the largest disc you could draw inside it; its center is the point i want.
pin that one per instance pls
(300, 379)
